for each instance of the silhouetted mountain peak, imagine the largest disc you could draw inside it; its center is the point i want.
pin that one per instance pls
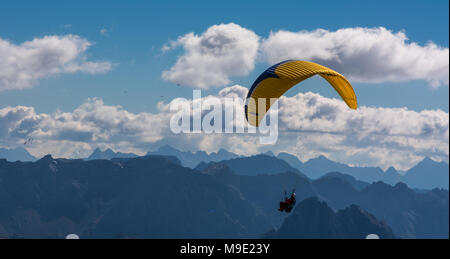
(312, 204)
(400, 189)
(428, 174)
(168, 149)
(356, 184)
(259, 164)
(322, 157)
(428, 162)
(109, 151)
(391, 170)
(46, 158)
(223, 152)
(269, 153)
(313, 218)
(109, 154)
(214, 168)
(199, 153)
(322, 160)
(96, 150)
(191, 159)
(401, 186)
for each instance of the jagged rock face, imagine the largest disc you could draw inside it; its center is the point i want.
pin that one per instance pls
(314, 219)
(410, 214)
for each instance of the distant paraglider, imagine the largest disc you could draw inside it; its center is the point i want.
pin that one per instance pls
(279, 78)
(28, 141)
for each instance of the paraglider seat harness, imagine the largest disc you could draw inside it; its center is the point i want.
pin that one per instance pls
(288, 204)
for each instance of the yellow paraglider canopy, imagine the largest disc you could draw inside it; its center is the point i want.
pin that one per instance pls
(279, 78)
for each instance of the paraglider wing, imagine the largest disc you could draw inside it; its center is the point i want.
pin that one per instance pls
(279, 78)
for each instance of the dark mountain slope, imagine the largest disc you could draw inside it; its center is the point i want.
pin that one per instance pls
(264, 191)
(410, 214)
(165, 200)
(312, 218)
(254, 165)
(141, 197)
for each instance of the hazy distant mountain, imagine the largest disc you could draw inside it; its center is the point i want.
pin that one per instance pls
(366, 174)
(319, 166)
(297, 164)
(312, 218)
(357, 184)
(254, 165)
(16, 154)
(190, 159)
(391, 176)
(427, 174)
(109, 154)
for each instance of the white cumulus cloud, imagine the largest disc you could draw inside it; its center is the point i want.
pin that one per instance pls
(22, 65)
(309, 125)
(210, 59)
(371, 55)
(380, 136)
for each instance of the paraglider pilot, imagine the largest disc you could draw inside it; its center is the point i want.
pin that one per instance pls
(288, 203)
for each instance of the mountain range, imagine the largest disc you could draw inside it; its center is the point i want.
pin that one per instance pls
(151, 197)
(109, 154)
(427, 174)
(156, 197)
(410, 214)
(191, 159)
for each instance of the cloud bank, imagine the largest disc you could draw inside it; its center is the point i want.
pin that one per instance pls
(370, 55)
(310, 125)
(22, 65)
(210, 59)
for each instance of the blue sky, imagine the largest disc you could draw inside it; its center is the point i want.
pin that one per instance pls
(121, 62)
(138, 29)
